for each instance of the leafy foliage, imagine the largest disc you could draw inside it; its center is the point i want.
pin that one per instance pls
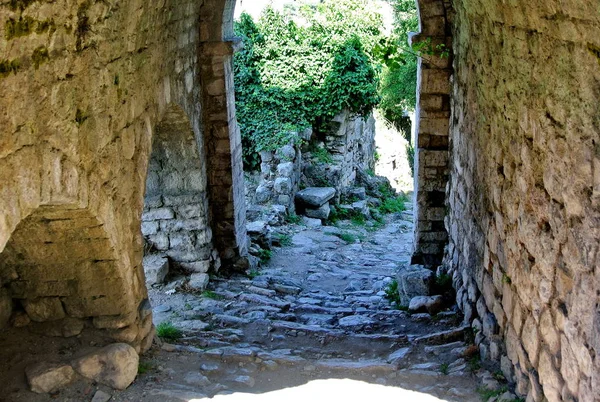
(292, 75)
(399, 77)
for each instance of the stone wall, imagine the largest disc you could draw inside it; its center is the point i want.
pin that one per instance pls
(175, 219)
(432, 119)
(90, 83)
(524, 194)
(279, 177)
(350, 141)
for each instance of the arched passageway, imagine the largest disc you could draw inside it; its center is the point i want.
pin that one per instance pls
(175, 221)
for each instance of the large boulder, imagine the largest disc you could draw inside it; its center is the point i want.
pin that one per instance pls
(318, 213)
(115, 365)
(315, 196)
(415, 280)
(426, 304)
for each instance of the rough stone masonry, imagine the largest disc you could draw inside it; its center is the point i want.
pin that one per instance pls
(86, 84)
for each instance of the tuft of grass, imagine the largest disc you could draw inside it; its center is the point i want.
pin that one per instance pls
(265, 255)
(8, 66)
(293, 219)
(443, 284)
(285, 240)
(209, 294)
(486, 393)
(348, 237)
(444, 368)
(392, 205)
(187, 306)
(253, 273)
(506, 279)
(144, 367)
(358, 219)
(166, 330)
(474, 363)
(39, 56)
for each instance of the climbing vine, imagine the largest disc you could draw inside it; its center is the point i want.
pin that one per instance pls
(301, 67)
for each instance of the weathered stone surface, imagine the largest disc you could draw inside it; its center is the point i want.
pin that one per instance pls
(44, 309)
(101, 396)
(430, 304)
(355, 321)
(115, 365)
(6, 306)
(311, 222)
(156, 269)
(46, 377)
(315, 196)
(414, 281)
(318, 213)
(199, 281)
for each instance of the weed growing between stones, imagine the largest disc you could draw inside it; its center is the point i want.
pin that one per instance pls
(392, 293)
(8, 66)
(283, 239)
(168, 331)
(293, 219)
(444, 368)
(348, 237)
(209, 294)
(265, 255)
(253, 273)
(321, 155)
(486, 393)
(144, 367)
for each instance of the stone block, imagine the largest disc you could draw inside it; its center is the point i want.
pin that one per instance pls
(157, 214)
(359, 193)
(315, 196)
(150, 228)
(156, 269)
(415, 280)
(44, 309)
(429, 304)
(319, 213)
(200, 267)
(311, 222)
(286, 153)
(285, 169)
(283, 185)
(115, 365)
(199, 282)
(46, 378)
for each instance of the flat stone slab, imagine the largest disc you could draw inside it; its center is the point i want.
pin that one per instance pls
(315, 196)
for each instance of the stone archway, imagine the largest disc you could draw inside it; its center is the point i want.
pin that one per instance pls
(175, 221)
(432, 121)
(222, 137)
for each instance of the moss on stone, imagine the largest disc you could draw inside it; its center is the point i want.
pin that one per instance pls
(40, 56)
(16, 28)
(20, 4)
(83, 25)
(594, 50)
(8, 66)
(26, 25)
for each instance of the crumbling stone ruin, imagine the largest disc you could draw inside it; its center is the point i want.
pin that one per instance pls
(97, 95)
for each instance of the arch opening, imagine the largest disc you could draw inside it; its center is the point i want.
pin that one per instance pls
(175, 221)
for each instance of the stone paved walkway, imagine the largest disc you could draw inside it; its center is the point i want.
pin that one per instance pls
(315, 313)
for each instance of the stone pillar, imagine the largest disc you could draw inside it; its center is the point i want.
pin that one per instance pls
(224, 153)
(432, 121)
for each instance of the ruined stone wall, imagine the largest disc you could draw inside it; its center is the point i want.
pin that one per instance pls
(524, 194)
(350, 142)
(88, 84)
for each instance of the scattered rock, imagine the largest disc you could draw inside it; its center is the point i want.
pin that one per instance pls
(46, 377)
(244, 379)
(311, 223)
(415, 280)
(315, 196)
(44, 309)
(115, 365)
(398, 357)
(199, 281)
(431, 304)
(196, 379)
(318, 213)
(101, 396)
(156, 268)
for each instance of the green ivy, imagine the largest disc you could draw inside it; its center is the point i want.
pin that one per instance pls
(291, 76)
